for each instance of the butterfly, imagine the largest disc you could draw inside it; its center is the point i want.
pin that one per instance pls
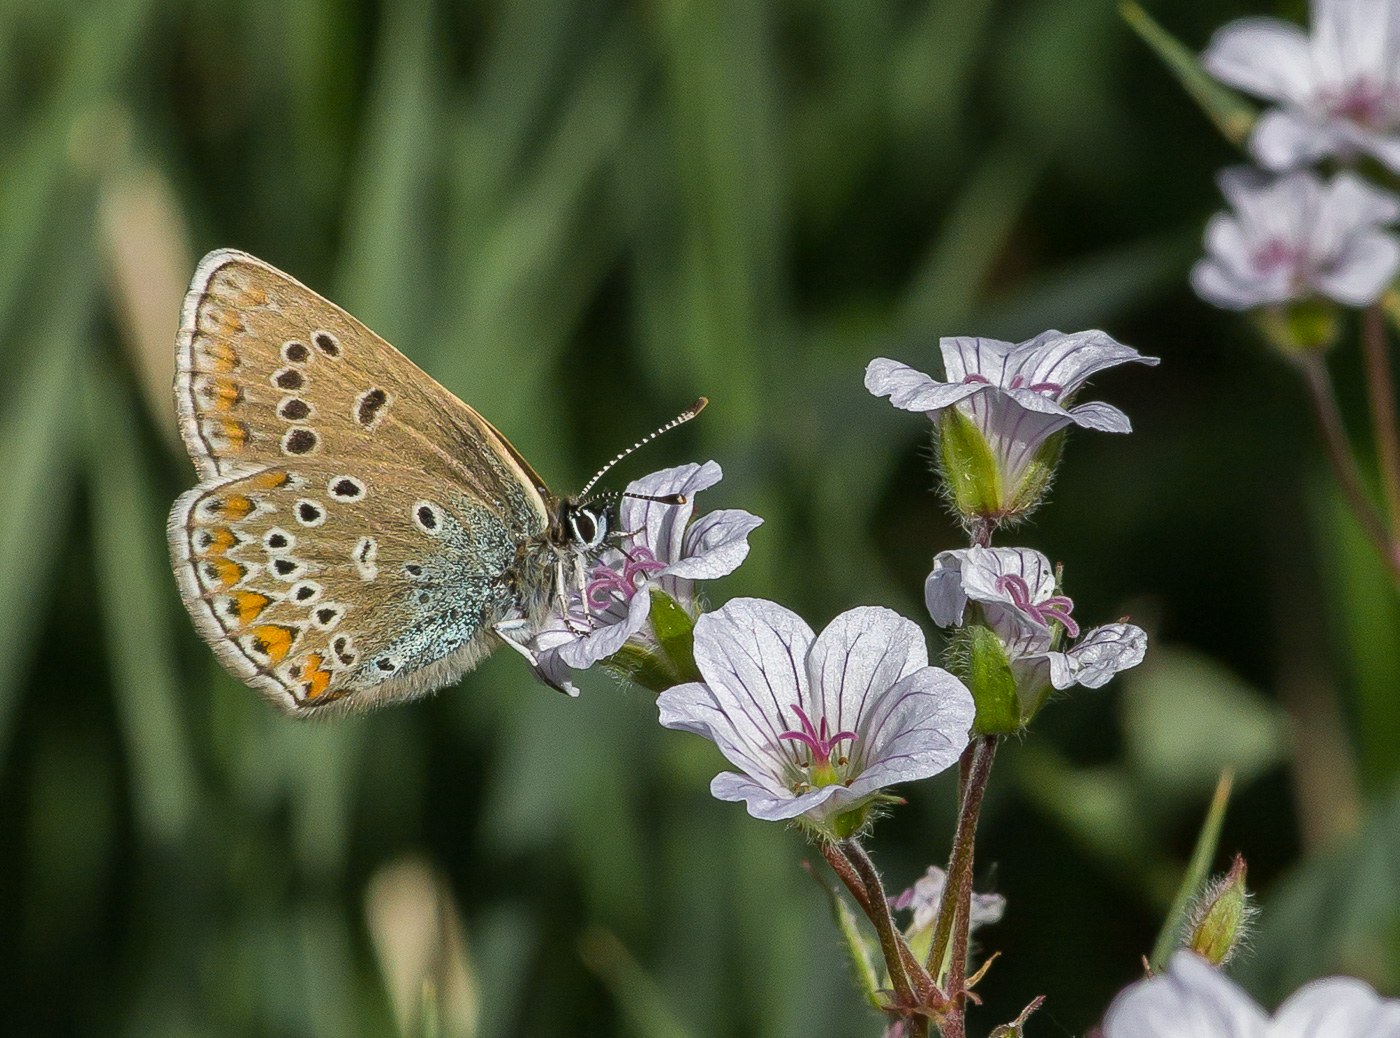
(358, 535)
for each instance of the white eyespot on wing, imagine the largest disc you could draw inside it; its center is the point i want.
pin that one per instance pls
(370, 407)
(305, 592)
(294, 351)
(364, 555)
(278, 540)
(343, 646)
(324, 617)
(326, 343)
(345, 488)
(286, 567)
(428, 517)
(290, 379)
(301, 441)
(309, 512)
(295, 409)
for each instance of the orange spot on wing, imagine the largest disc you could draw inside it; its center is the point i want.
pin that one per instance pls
(225, 572)
(270, 480)
(248, 605)
(221, 539)
(220, 356)
(234, 507)
(224, 393)
(274, 641)
(236, 433)
(317, 677)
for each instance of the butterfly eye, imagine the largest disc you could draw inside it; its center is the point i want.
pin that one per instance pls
(588, 527)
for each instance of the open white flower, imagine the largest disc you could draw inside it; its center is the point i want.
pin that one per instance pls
(1004, 402)
(1338, 89)
(1194, 1000)
(1293, 237)
(924, 897)
(1016, 591)
(821, 724)
(660, 550)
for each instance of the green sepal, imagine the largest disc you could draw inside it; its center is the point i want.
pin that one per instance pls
(1222, 918)
(969, 469)
(1304, 326)
(1039, 475)
(1231, 113)
(992, 683)
(672, 661)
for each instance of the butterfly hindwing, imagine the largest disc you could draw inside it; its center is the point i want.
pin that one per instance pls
(357, 528)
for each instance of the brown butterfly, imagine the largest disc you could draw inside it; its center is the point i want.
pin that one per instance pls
(359, 535)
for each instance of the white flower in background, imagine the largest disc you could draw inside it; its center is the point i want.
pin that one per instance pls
(661, 550)
(1293, 237)
(819, 725)
(1194, 1000)
(1016, 397)
(1338, 89)
(1015, 589)
(924, 897)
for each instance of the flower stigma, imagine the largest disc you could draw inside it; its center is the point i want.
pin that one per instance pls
(606, 582)
(821, 771)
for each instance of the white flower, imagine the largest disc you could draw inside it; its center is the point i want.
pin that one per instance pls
(1294, 236)
(1015, 588)
(818, 724)
(1339, 90)
(660, 549)
(1193, 1000)
(1016, 396)
(924, 897)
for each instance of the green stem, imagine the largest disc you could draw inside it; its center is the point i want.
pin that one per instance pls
(877, 907)
(1380, 389)
(954, 910)
(1343, 461)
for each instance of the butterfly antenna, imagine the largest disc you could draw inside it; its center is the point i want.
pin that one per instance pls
(680, 419)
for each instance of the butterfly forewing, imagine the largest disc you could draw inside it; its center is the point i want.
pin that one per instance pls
(358, 527)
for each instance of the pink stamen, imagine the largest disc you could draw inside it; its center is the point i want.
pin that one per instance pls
(819, 743)
(1056, 608)
(1053, 388)
(977, 380)
(1017, 382)
(607, 582)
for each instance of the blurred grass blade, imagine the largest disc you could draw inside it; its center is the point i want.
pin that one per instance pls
(639, 1000)
(1197, 871)
(134, 584)
(974, 233)
(36, 444)
(1231, 113)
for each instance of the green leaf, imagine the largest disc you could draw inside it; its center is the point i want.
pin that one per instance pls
(1231, 113)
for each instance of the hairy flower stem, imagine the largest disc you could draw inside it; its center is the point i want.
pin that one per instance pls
(1380, 388)
(954, 911)
(1343, 461)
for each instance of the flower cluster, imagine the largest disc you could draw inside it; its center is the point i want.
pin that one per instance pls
(1294, 239)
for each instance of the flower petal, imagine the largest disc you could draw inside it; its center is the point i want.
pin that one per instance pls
(1191, 1000)
(774, 805)
(1098, 656)
(965, 355)
(661, 527)
(1101, 417)
(1339, 1006)
(714, 545)
(912, 390)
(943, 590)
(856, 660)
(915, 729)
(603, 639)
(1068, 360)
(1284, 139)
(1363, 271)
(1264, 56)
(752, 654)
(1219, 286)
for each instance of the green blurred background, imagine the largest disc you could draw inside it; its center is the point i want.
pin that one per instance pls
(579, 215)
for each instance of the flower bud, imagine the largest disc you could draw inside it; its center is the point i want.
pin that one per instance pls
(1222, 919)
